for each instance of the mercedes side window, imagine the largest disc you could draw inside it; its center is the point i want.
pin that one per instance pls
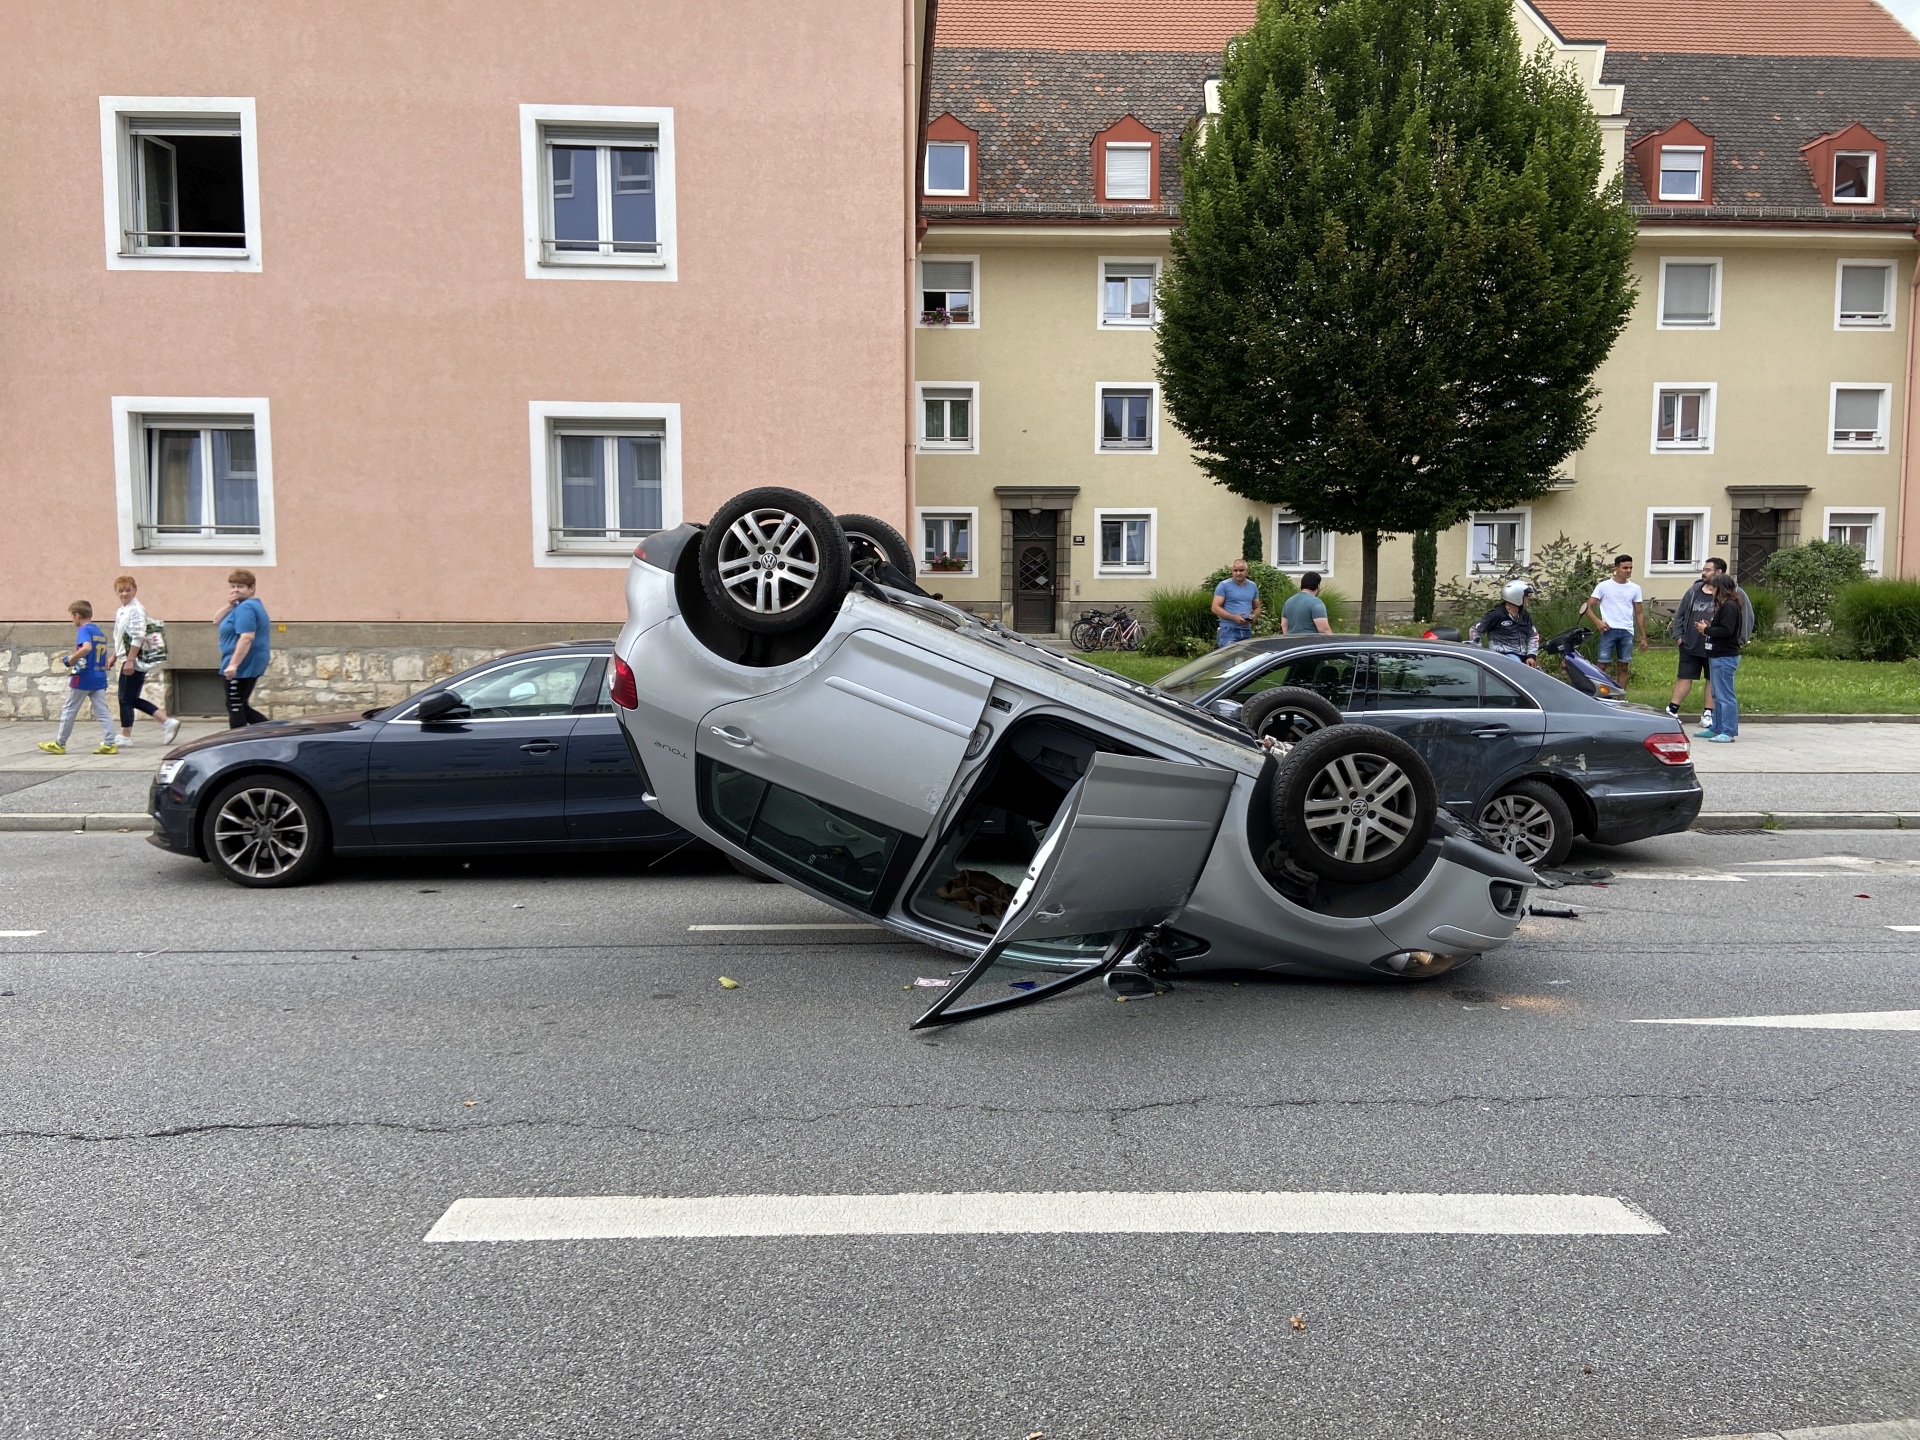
(1425, 682)
(1497, 694)
(817, 844)
(1330, 676)
(527, 690)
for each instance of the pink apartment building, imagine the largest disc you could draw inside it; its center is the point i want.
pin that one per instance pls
(425, 312)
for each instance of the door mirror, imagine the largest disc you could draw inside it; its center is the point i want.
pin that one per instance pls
(439, 705)
(1122, 856)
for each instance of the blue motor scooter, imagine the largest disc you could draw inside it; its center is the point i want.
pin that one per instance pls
(1581, 673)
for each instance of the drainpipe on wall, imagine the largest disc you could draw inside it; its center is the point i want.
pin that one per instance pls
(1904, 565)
(919, 68)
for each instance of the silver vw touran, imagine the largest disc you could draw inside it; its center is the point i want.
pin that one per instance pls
(791, 697)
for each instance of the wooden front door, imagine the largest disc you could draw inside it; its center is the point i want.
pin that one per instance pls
(1035, 550)
(1756, 537)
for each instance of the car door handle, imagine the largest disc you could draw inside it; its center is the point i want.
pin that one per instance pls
(540, 747)
(733, 735)
(1491, 732)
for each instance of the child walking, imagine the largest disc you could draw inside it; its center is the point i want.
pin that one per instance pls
(89, 661)
(130, 626)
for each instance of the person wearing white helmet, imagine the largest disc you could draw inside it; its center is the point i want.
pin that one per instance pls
(1508, 627)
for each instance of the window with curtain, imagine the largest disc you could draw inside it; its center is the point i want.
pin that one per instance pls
(608, 487)
(1498, 541)
(1682, 422)
(946, 418)
(1297, 546)
(1126, 543)
(602, 195)
(1687, 295)
(1126, 419)
(946, 543)
(202, 482)
(1676, 541)
(1127, 293)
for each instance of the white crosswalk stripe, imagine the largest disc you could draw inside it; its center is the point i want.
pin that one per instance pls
(1061, 1212)
(1843, 1020)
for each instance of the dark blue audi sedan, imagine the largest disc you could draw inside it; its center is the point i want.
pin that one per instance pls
(520, 754)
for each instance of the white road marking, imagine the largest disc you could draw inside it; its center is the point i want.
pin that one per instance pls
(1906, 929)
(1871, 1430)
(1844, 1020)
(1058, 1212)
(1683, 875)
(783, 927)
(20, 934)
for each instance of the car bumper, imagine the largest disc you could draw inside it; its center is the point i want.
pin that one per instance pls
(1627, 814)
(172, 813)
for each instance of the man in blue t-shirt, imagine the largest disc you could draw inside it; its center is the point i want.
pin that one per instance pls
(1304, 612)
(1236, 603)
(89, 661)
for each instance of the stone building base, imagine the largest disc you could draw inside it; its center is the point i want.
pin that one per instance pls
(316, 667)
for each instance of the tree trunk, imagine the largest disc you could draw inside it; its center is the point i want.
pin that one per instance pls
(1426, 573)
(1369, 578)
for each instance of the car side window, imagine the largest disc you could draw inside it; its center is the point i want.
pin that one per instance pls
(1425, 682)
(816, 843)
(1329, 675)
(1497, 694)
(526, 689)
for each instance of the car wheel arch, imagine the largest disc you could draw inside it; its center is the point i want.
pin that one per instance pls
(1585, 816)
(219, 779)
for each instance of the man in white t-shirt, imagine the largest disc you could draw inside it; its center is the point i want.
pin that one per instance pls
(1622, 617)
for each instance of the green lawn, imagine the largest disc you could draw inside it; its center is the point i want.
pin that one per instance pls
(1768, 685)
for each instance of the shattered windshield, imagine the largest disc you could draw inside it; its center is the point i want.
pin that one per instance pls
(1195, 679)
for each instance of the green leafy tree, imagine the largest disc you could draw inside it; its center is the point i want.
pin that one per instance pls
(1396, 270)
(1808, 577)
(1250, 541)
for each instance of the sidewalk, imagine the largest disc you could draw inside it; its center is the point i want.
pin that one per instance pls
(1849, 774)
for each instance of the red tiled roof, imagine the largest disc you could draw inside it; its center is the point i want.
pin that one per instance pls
(1700, 27)
(1731, 27)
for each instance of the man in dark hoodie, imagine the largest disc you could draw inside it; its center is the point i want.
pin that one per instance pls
(1697, 604)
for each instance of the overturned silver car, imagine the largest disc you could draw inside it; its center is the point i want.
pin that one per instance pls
(792, 698)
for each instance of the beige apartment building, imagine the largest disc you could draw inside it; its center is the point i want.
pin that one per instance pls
(426, 313)
(1758, 396)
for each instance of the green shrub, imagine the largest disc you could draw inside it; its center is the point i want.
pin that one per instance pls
(1766, 610)
(1879, 619)
(1275, 585)
(1339, 608)
(1175, 617)
(1808, 577)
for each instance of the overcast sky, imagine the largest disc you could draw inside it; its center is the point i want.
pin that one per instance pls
(1907, 11)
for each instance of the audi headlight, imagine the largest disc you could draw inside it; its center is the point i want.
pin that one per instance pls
(169, 769)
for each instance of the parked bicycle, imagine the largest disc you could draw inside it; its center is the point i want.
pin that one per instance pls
(1103, 630)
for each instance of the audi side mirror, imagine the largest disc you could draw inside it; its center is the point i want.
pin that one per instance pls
(438, 705)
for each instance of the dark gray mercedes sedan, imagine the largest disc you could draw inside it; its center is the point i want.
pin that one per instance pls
(1529, 759)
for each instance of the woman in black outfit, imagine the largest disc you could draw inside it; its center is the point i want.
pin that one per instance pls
(1721, 633)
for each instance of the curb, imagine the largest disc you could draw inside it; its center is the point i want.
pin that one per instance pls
(17, 820)
(1746, 719)
(1807, 820)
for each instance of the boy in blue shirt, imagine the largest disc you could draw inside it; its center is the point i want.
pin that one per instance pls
(89, 662)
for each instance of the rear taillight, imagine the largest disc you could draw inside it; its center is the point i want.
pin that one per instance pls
(1669, 749)
(626, 694)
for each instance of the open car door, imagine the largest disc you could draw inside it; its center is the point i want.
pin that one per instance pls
(1121, 859)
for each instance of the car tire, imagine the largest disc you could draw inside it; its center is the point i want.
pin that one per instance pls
(1353, 804)
(1289, 714)
(1531, 822)
(774, 561)
(265, 831)
(874, 546)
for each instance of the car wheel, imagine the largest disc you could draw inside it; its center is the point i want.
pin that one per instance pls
(1353, 803)
(773, 561)
(875, 546)
(265, 831)
(1288, 713)
(1530, 822)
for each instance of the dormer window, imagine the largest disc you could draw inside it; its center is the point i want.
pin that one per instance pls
(951, 168)
(1853, 177)
(1126, 164)
(1681, 168)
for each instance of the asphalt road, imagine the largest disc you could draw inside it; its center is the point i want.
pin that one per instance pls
(228, 1118)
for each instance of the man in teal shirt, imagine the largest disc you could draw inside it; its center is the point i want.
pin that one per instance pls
(1305, 612)
(1236, 603)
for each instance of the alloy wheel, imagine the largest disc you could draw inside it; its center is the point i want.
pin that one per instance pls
(261, 833)
(1519, 825)
(769, 561)
(1360, 807)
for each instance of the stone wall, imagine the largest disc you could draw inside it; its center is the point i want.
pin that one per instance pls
(355, 667)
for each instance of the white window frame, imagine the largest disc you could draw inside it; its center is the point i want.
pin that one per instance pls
(1702, 446)
(924, 446)
(1893, 295)
(1100, 320)
(534, 120)
(1152, 447)
(969, 513)
(1701, 193)
(131, 416)
(1151, 515)
(1702, 517)
(1873, 178)
(966, 180)
(1876, 537)
(1524, 548)
(940, 257)
(1282, 515)
(541, 416)
(118, 176)
(1146, 147)
(1835, 447)
(1660, 314)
